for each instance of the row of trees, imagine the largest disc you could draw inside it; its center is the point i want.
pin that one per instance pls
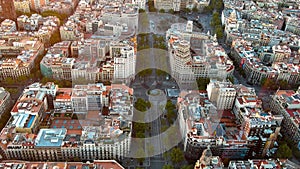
(271, 84)
(159, 42)
(139, 129)
(176, 156)
(237, 66)
(143, 41)
(215, 5)
(55, 37)
(216, 24)
(142, 105)
(287, 149)
(60, 83)
(170, 112)
(19, 13)
(61, 16)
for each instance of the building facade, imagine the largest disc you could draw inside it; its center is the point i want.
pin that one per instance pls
(7, 10)
(5, 101)
(36, 132)
(287, 104)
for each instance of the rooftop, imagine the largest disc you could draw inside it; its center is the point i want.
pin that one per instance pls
(50, 137)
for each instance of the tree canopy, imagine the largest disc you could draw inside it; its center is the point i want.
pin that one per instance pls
(168, 167)
(151, 6)
(62, 17)
(202, 83)
(284, 151)
(176, 155)
(216, 24)
(142, 105)
(55, 37)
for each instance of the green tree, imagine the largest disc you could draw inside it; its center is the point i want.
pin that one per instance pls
(218, 5)
(231, 79)
(145, 72)
(62, 17)
(22, 79)
(171, 11)
(141, 11)
(55, 37)
(176, 156)
(268, 83)
(284, 151)
(170, 116)
(219, 31)
(202, 83)
(187, 167)
(170, 105)
(142, 105)
(161, 11)
(140, 153)
(19, 13)
(283, 84)
(168, 167)
(9, 81)
(164, 128)
(140, 135)
(195, 9)
(187, 10)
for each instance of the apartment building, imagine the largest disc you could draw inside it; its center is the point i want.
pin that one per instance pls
(179, 59)
(284, 65)
(59, 7)
(168, 5)
(97, 164)
(287, 104)
(292, 25)
(202, 126)
(262, 163)
(281, 52)
(222, 94)
(207, 160)
(8, 26)
(251, 132)
(193, 55)
(92, 60)
(246, 97)
(88, 97)
(37, 4)
(22, 6)
(7, 10)
(140, 3)
(31, 23)
(5, 100)
(70, 32)
(124, 64)
(101, 134)
(201, 4)
(56, 63)
(121, 13)
(23, 63)
(62, 100)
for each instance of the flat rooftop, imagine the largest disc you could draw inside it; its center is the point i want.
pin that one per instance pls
(50, 137)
